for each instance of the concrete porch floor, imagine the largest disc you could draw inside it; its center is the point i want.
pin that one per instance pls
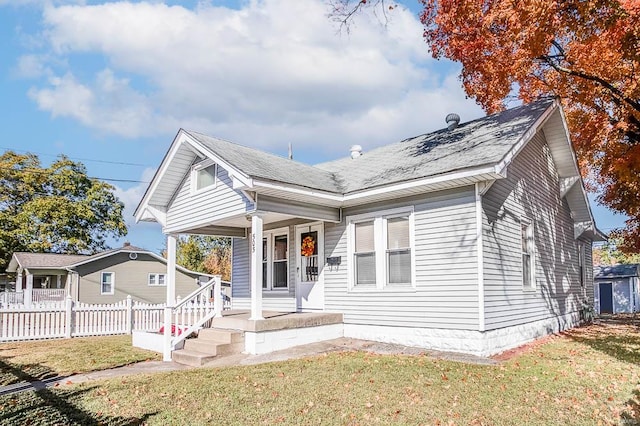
(273, 321)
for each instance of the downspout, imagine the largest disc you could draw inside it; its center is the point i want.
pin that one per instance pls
(480, 257)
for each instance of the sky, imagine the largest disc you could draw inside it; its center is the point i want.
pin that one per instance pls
(109, 83)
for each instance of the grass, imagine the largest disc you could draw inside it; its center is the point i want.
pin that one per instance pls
(28, 361)
(587, 376)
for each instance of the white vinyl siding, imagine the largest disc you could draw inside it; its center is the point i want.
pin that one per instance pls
(107, 282)
(446, 281)
(530, 190)
(190, 209)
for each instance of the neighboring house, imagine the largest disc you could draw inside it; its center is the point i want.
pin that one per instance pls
(106, 277)
(474, 238)
(616, 289)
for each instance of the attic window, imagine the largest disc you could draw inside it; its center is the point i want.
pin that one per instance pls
(203, 175)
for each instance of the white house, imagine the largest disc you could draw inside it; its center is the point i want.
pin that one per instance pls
(475, 238)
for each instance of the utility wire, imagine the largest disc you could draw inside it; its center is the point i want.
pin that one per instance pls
(43, 172)
(78, 158)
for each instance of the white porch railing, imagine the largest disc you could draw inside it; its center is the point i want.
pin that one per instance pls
(191, 313)
(49, 294)
(11, 297)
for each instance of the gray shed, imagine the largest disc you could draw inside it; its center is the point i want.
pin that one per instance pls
(616, 289)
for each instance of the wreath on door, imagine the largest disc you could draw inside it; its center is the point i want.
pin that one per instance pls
(308, 246)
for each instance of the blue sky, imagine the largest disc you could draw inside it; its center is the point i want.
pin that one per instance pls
(112, 82)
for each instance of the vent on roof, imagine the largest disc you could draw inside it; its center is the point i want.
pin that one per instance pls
(452, 121)
(126, 244)
(356, 151)
(133, 256)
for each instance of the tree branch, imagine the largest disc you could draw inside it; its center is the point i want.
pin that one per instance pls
(581, 74)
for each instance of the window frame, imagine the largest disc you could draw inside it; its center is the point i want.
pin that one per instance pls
(113, 282)
(197, 168)
(271, 236)
(582, 266)
(156, 276)
(531, 252)
(380, 249)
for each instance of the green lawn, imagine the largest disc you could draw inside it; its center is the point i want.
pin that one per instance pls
(28, 361)
(586, 377)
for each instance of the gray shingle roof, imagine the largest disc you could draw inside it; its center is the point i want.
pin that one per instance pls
(616, 271)
(259, 164)
(481, 142)
(47, 260)
(477, 143)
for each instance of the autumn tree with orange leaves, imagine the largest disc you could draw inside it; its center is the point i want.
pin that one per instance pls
(585, 52)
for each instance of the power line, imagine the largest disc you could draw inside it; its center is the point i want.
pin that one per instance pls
(43, 172)
(78, 158)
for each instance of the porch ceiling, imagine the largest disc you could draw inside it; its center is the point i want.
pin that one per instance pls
(235, 226)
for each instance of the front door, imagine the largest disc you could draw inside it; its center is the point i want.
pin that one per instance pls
(606, 298)
(309, 264)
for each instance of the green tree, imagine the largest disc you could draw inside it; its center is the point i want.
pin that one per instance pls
(55, 209)
(200, 253)
(610, 254)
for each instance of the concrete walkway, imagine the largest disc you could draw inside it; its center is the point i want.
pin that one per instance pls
(335, 345)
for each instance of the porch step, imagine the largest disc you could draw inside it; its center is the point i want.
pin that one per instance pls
(221, 336)
(192, 358)
(209, 344)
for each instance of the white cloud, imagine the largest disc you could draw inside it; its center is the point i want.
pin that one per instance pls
(131, 197)
(268, 73)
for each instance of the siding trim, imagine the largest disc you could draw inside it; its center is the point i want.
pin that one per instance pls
(480, 257)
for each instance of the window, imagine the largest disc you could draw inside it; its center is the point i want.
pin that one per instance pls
(309, 256)
(203, 175)
(581, 269)
(107, 282)
(365, 254)
(528, 258)
(157, 279)
(381, 249)
(275, 260)
(398, 251)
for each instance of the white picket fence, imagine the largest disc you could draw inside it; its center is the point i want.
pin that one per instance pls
(72, 319)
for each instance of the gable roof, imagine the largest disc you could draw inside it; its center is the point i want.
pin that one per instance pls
(482, 142)
(42, 260)
(259, 164)
(66, 262)
(476, 152)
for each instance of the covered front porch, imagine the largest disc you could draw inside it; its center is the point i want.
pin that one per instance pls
(206, 186)
(277, 280)
(37, 286)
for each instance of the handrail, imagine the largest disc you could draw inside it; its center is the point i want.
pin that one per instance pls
(195, 293)
(194, 320)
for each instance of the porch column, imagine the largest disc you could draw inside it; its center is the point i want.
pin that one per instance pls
(28, 293)
(171, 270)
(19, 281)
(256, 267)
(170, 282)
(58, 281)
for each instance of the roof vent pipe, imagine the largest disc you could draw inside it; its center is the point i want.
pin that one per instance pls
(452, 121)
(356, 151)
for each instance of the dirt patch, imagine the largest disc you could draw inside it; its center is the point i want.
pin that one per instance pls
(527, 347)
